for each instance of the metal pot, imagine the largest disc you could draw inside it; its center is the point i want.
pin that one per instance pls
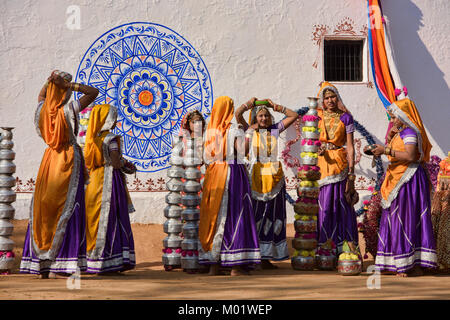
(6, 154)
(173, 211)
(326, 262)
(175, 185)
(313, 102)
(175, 172)
(6, 244)
(190, 244)
(190, 230)
(311, 135)
(191, 214)
(173, 198)
(192, 186)
(171, 259)
(173, 226)
(309, 175)
(309, 161)
(7, 167)
(6, 227)
(310, 148)
(192, 173)
(303, 263)
(306, 210)
(312, 112)
(191, 200)
(190, 262)
(311, 123)
(308, 192)
(190, 161)
(6, 211)
(7, 181)
(305, 226)
(175, 160)
(172, 241)
(304, 244)
(7, 195)
(349, 267)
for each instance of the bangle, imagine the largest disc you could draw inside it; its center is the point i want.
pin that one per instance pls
(387, 151)
(351, 177)
(76, 86)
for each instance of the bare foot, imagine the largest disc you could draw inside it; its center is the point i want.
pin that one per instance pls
(402, 275)
(44, 275)
(59, 275)
(267, 265)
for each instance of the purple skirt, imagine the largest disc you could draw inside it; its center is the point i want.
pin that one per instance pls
(336, 219)
(239, 244)
(72, 252)
(405, 237)
(270, 218)
(118, 251)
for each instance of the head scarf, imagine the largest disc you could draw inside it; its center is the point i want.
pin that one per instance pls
(255, 112)
(406, 111)
(185, 121)
(216, 134)
(101, 121)
(52, 122)
(326, 85)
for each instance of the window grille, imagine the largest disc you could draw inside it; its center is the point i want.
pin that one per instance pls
(343, 60)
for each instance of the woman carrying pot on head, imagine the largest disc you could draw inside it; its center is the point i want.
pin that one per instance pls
(267, 177)
(337, 195)
(227, 229)
(405, 238)
(55, 239)
(109, 238)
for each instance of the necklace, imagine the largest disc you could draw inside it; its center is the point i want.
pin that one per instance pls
(331, 121)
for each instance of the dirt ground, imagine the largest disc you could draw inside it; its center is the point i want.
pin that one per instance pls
(150, 281)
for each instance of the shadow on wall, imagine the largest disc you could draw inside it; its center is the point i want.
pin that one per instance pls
(418, 69)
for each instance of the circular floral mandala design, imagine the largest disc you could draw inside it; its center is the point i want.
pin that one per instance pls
(154, 77)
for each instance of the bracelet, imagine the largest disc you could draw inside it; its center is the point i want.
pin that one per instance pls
(387, 151)
(351, 177)
(76, 87)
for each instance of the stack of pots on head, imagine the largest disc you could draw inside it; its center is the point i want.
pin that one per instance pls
(306, 207)
(7, 196)
(172, 243)
(191, 213)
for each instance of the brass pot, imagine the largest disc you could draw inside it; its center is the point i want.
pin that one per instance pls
(304, 244)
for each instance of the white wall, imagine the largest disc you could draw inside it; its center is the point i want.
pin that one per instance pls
(251, 48)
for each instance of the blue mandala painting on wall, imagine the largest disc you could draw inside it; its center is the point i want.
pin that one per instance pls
(154, 77)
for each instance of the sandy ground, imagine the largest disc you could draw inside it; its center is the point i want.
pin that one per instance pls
(150, 281)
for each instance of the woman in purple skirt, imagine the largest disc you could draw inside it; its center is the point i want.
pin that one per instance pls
(110, 244)
(267, 177)
(337, 195)
(227, 230)
(55, 242)
(406, 242)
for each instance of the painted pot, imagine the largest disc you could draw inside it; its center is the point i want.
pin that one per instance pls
(325, 262)
(304, 244)
(349, 267)
(303, 263)
(307, 226)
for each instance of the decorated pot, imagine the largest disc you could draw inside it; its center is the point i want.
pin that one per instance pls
(311, 135)
(311, 123)
(310, 148)
(309, 192)
(326, 262)
(311, 161)
(304, 244)
(307, 226)
(349, 267)
(303, 263)
(310, 175)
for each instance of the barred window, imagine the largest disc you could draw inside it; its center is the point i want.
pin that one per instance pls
(343, 60)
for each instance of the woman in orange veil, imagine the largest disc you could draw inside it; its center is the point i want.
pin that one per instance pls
(227, 229)
(55, 239)
(406, 242)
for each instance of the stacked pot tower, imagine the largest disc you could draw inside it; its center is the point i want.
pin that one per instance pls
(306, 207)
(191, 202)
(7, 196)
(173, 226)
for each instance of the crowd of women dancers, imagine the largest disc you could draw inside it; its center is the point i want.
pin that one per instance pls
(243, 207)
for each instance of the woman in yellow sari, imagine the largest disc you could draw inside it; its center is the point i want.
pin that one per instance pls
(405, 239)
(110, 244)
(55, 239)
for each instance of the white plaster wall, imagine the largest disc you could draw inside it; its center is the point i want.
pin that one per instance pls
(261, 48)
